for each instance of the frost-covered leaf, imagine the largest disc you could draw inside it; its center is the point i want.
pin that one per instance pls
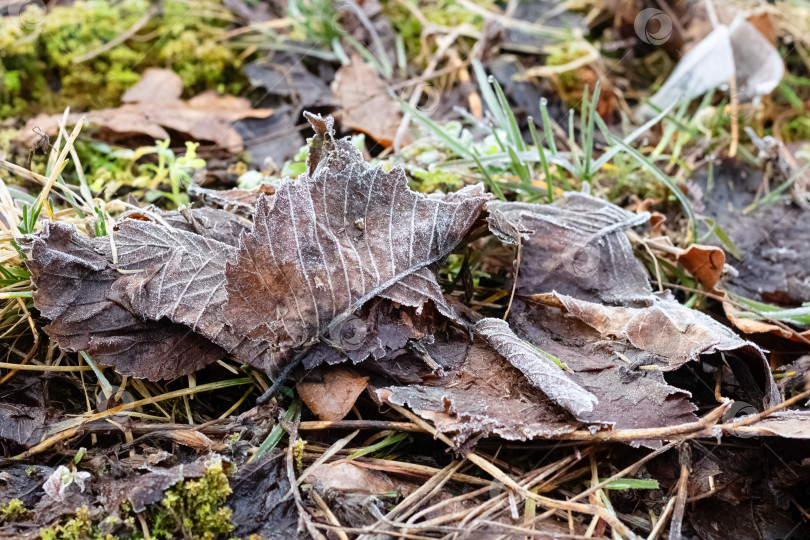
(239, 201)
(23, 424)
(538, 369)
(180, 276)
(575, 246)
(481, 394)
(630, 396)
(218, 225)
(332, 240)
(74, 281)
(61, 479)
(672, 332)
(667, 335)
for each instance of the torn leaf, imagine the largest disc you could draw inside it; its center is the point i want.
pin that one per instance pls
(73, 284)
(332, 240)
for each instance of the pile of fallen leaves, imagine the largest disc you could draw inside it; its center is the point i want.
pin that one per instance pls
(361, 340)
(333, 280)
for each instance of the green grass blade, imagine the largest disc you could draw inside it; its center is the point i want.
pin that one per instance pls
(488, 180)
(666, 180)
(543, 161)
(277, 432)
(451, 143)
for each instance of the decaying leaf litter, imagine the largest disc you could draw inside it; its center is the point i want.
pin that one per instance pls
(463, 321)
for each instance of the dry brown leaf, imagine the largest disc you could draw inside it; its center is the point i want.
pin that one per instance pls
(540, 370)
(73, 282)
(365, 104)
(785, 424)
(752, 326)
(575, 246)
(705, 263)
(180, 276)
(259, 500)
(153, 107)
(348, 476)
(480, 394)
(330, 391)
(671, 334)
(240, 201)
(189, 437)
(25, 425)
(629, 397)
(332, 240)
(211, 223)
(157, 86)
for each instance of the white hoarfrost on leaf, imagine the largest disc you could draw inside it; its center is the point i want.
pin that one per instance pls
(540, 371)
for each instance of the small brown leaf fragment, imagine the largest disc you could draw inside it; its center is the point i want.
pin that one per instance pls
(330, 392)
(348, 476)
(350, 490)
(305, 268)
(705, 263)
(157, 86)
(753, 326)
(365, 103)
(190, 438)
(73, 284)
